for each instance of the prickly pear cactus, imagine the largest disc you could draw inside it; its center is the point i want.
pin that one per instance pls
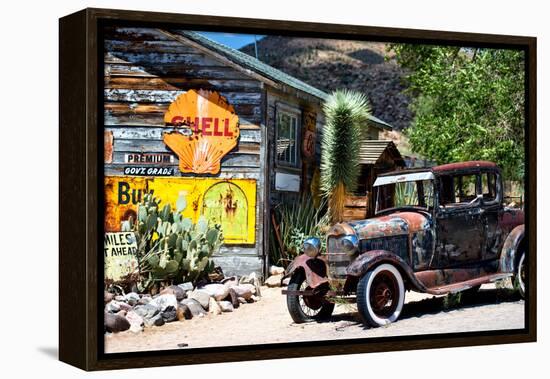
(171, 247)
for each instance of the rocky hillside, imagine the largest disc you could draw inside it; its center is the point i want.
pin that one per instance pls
(334, 64)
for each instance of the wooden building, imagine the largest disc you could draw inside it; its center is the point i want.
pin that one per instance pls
(280, 122)
(376, 157)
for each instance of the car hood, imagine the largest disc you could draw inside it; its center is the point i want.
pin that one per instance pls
(398, 223)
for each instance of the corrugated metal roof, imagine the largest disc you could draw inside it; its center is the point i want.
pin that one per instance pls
(254, 64)
(264, 69)
(371, 150)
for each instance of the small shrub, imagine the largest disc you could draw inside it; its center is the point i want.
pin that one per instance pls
(452, 300)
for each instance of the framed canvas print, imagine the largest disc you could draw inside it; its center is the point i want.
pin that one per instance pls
(238, 189)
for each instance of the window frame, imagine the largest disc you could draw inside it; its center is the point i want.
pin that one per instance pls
(454, 205)
(497, 186)
(292, 112)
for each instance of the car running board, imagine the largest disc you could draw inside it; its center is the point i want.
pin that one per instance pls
(462, 286)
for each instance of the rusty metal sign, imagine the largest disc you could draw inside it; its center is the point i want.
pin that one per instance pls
(228, 202)
(308, 144)
(206, 128)
(108, 146)
(309, 135)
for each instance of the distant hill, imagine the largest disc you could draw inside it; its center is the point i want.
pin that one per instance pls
(336, 64)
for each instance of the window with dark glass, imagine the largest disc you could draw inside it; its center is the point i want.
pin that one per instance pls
(457, 190)
(287, 138)
(465, 188)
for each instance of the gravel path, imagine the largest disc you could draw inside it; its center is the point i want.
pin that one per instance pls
(268, 321)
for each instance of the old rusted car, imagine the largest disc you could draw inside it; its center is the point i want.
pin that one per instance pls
(437, 230)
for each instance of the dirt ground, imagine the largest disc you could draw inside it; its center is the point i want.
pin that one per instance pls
(268, 321)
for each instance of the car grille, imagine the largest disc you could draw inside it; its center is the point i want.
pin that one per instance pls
(338, 261)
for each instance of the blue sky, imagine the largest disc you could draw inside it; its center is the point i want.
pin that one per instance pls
(233, 40)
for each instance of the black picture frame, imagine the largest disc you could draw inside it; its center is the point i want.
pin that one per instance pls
(81, 190)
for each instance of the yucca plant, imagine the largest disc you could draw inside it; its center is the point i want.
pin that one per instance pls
(296, 221)
(346, 113)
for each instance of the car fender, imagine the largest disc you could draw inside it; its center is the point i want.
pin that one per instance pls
(370, 259)
(508, 254)
(315, 270)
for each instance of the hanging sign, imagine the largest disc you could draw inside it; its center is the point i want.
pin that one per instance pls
(206, 128)
(308, 142)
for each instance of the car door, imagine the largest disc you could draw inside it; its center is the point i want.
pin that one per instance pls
(492, 210)
(459, 222)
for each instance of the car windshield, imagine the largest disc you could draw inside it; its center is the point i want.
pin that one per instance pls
(403, 193)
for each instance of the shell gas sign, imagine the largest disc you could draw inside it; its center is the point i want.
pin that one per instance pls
(228, 202)
(205, 129)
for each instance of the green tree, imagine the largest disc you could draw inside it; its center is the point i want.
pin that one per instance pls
(346, 113)
(468, 104)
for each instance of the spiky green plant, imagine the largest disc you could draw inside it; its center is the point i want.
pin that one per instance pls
(171, 247)
(297, 221)
(346, 114)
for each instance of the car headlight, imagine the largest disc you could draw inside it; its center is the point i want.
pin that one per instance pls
(311, 247)
(349, 244)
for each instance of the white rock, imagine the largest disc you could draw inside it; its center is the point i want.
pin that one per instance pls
(252, 279)
(113, 306)
(244, 290)
(251, 287)
(131, 298)
(213, 307)
(202, 296)
(226, 306)
(191, 308)
(274, 280)
(216, 290)
(187, 286)
(276, 270)
(230, 282)
(164, 301)
(136, 322)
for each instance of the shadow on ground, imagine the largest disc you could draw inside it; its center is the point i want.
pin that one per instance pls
(465, 300)
(436, 305)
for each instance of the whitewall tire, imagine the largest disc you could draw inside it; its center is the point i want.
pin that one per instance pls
(381, 295)
(520, 275)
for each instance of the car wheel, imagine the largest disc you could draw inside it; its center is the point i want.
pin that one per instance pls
(380, 295)
(306, 308)
(519, 275)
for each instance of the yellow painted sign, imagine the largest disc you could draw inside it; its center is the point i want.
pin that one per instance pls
(120, 255)
(205, 129)
(228, 202)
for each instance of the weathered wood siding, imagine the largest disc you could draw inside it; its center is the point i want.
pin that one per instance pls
(145, 70)
(273, 100)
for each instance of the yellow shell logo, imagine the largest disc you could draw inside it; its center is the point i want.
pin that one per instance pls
(205, 129)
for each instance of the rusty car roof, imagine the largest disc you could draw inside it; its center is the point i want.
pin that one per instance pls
(447, 168)
(464, 165)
